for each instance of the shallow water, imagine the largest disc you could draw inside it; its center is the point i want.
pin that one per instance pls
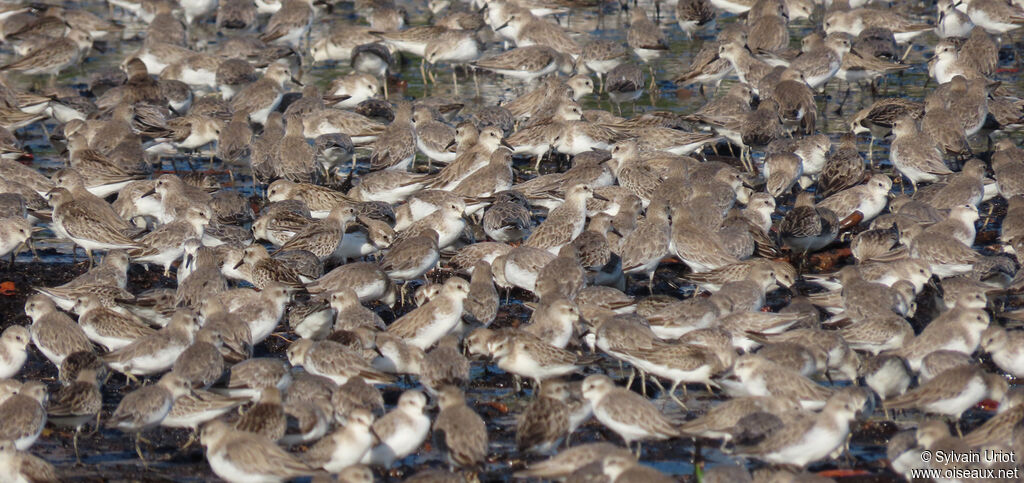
(110, 454)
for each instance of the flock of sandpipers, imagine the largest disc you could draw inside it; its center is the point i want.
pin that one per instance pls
(801, 290)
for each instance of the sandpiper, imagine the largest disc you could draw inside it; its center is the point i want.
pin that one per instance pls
(434, 138)
(458, 430)
(644, 36)
(720, 419)
(13, 353)
(749, 69)
(412, 256)
(395, 148)
(53, 332)
(77, 223)
(807, 228)
(482, 302)
(856, 20)
(762, 377)
(155, 353)
(529, 356)
(693, 15)
(568, 461)
(24, 466)
(331, 360)
(526, 63)
(564, 223)
(145, 407)
(951, 394)
(76, 404)
(164, 245)
(810, 437)
(24, 415)
(324, 238)
(545, 422)
(400, 431)
(53, 57)
(290, 23)
(625, 412)
(263, 96)
(427, 324)
(843, 168)
(1005, 348)
(106, 326)
(344, 447)
(867, 199)
(995, 17)
(240, 456)
(453, 47)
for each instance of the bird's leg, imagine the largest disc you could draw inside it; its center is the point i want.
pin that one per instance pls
(191, 440)
(476, 83)
(748, 159)
(672, 395)
(96, 428)
(839, 108)
(138, 450)
(74, 443)
(46, 132)
(910, 45)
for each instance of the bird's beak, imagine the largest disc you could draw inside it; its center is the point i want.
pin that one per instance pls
(450, 145)
(337, 99)
(505, 143)
(600, 197)
(239, 264)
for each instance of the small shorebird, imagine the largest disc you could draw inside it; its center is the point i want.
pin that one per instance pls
(626, 413)
(145, 407)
